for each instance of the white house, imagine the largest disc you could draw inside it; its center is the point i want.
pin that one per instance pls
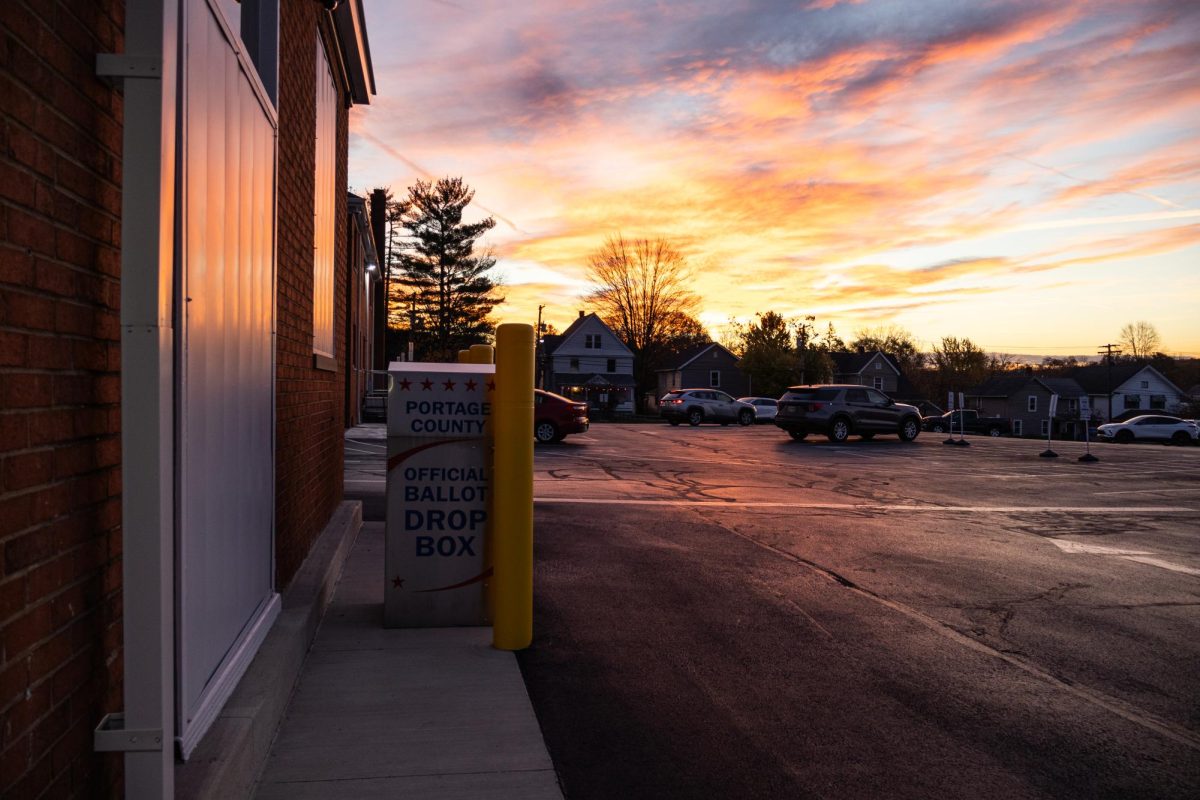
(1134, 387)
(588, 362)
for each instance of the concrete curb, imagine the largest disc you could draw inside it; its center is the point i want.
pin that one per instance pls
(231, 756)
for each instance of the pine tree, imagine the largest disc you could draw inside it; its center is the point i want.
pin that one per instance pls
(447, 292)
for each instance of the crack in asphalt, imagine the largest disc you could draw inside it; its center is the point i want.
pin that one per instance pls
(1126, 711)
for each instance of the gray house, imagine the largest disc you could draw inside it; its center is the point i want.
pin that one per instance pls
(587, 362)
(703, 366)
(1025, 399)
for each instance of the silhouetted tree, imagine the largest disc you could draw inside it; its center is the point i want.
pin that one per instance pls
(447, 292)
(640, 291)
(895, 342)
(1139, 340)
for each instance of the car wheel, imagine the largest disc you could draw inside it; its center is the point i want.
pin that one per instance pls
(1181, 438)
(909, 430)
(798, 435)
(994, 431)
(866, 437)
(695, 417)
(1124, 437)
(747, 418)
(938, 429)
(545, 432)
(839, 430)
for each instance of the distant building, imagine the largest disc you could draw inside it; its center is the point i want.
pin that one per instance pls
(589, 363)
(1134, 387)
(704, 366)
(1025, 400)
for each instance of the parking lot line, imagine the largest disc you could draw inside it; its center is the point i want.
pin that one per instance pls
(886, 507)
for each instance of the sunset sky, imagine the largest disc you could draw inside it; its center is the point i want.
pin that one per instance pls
(1026, 174)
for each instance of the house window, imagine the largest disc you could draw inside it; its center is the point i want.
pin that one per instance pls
(878, 365)
(612, 365)
(1158, 401)
(1072, 404)
(1018, 427)
(878, 382)
(1145, 384)
(1045, 427)
(324, 197)
(591, 341)
(1031, 405)
(714, 378)
(1133, 401)
(574, 363)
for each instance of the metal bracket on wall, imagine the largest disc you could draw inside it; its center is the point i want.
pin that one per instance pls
(111, 736)
(116, 67)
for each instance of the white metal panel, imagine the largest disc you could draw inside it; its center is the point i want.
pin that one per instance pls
(226, 391)
(324, 199)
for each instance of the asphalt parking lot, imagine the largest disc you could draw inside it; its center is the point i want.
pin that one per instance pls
(722, 612)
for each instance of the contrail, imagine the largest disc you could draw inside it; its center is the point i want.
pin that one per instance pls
(396, 154)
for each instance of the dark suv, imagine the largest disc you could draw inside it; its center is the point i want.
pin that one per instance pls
(839, 411)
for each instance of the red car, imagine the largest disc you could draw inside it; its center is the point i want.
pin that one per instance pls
(554, 416)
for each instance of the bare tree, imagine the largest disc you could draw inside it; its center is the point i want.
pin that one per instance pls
(641, 293)
(1140, 339)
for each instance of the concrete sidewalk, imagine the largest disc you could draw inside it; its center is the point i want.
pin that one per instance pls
(426, 713)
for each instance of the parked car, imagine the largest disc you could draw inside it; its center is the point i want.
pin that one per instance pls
(555, 416)
(764, 407)
(838, 411)
(992, 426)
(694, 406)
(1150, 428)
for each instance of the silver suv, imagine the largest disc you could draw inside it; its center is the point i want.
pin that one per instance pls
(841, 410)
(703, 405)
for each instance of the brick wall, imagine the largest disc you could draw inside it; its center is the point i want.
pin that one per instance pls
(60, 482)
(308, 471)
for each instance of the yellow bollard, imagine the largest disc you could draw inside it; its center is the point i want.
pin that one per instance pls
(512, 488)
(480, 354)
(464, 356)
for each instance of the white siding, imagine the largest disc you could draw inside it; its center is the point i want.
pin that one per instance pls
(226, 385)
(323, 206)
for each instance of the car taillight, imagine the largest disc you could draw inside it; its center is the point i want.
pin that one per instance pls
(815, 406)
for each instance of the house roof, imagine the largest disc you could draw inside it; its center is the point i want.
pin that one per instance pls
(1006, 385)
(682, 358)
(852, 363)
(349, 25)
(1094, 377)
(555, 341)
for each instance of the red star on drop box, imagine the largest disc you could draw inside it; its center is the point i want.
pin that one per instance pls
(397, 582)
(405, 384)
(471, 386)
(491, 386)
(427, 384)
(448, 385)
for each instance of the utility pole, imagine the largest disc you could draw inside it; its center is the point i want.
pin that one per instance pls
(1109, 351)
(537, 350)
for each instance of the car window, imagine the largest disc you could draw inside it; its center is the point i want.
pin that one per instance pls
(724, 398)
(825, 393)
(876, 397)
(856, 395)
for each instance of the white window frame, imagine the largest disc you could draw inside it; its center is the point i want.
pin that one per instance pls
(1018, 427)
(1045, 427)
(324, 205)
(714, 378)
(1031, 404)
(877, 382)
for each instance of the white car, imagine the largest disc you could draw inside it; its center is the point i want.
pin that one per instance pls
(765, 408)
(694, 406)
(1150, 428)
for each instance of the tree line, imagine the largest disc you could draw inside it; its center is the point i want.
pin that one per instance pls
(441, 293)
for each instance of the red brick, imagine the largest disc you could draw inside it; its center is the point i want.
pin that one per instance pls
(50, 352)
(14, 761)
(16, 721)
(26, 311)
(16, 514)
(27, 629)
(89, 354)
(27, 230)
(12, 598)
(14, 432)
(16, 266)
(25, 390)
(16, 184)
(50, 426)
(14, 349)
(25, 470)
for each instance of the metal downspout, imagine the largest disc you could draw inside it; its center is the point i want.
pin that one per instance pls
(149, 67)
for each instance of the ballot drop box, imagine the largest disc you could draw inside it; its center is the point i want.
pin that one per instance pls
(438, 483)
